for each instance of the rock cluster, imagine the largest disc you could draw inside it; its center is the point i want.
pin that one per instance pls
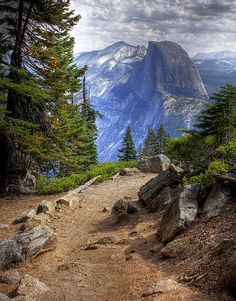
(178, 206)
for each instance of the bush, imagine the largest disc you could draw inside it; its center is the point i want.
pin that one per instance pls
(215, 167)
(193, 149)
(105, 170)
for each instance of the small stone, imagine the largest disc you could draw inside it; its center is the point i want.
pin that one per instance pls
(133, 233)
(91, 247)
(4, 227)
(176, 169)
(105, 210)
(120, 206)
(129, 171)
(106, 240)
(32, 287)
(173, 248)
(132, 207)
(128, 257)
(46, 207)
(123, 242)
(123, 217)
(163, 286)
(11, 277)
(24, 216)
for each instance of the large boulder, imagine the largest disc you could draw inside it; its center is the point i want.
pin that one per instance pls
(179, 213)
(215, 201)
(155, 164)
(231, 273)
(152, 188)
(129, 171)
(25, 246)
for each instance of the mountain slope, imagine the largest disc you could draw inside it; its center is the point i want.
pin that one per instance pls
(141, 87)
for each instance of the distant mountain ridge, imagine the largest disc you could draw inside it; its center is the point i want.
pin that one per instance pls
(217, 69)
(141, 87)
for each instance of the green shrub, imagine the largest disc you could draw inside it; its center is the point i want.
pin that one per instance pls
(105, 170)
(215, 167)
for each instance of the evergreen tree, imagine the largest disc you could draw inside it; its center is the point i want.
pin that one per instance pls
(128, 148)
(150, 144)
(89, 114)
(162, 138)
(219, 118)
(36, 82)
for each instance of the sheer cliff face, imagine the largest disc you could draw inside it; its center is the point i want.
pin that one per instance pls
(141, 87)
(168, 67)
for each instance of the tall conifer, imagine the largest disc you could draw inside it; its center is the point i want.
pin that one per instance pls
(127, 151)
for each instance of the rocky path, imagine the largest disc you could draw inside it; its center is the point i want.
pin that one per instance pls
(121, 269)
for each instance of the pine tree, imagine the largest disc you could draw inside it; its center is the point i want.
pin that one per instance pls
(150, 144)
(37, 79)
(162, 138)
(219, 118)
(128, 148)
(89, 114)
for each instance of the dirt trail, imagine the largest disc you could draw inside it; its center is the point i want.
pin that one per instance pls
(104, 274)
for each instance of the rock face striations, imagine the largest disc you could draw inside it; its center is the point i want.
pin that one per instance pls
(141, 87)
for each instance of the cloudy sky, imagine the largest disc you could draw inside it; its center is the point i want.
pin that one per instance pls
(198, 25)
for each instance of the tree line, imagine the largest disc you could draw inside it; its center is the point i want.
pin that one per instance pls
(154, 144)
(42, 124)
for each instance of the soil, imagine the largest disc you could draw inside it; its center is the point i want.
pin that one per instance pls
(127, 264)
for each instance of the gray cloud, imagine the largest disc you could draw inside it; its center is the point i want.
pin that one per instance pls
(198, 25)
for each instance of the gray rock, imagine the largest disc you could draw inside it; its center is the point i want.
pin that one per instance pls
(31, 286)
(106, 240)
(215, 201)
(91, 247)
(155, 164)
(133, 207)
(120, 206)
(123, 217)
(152, 188)
(68, 201)
(160, 202)
(11, 277)
(129, 171)
(173, 248)
(180, 213)
(25, 216)
(231, 272)
(46, 207)
(25, 246)
(4, 297)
